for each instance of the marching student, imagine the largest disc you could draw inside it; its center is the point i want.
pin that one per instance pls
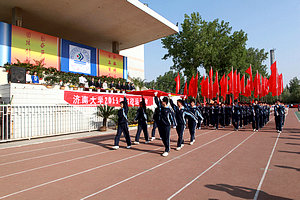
(192, 121)
(222, 115)
(181, 114)
(206, 111)
(164, 122)
(236, 110)
(215, 114)
(228, 114)
(122, 125)
(279, 113)
(141, 117)
(256, 114)
(200, 119)
(155, 120)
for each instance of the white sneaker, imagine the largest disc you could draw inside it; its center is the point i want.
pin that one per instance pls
(178, 148)
(279, 131)
(192, 142)
(146, 142)
(182, 145)
(160, 138)
(153, 138)
(253, 130)
(165, 154)
(128, 147)
(135, 142)
(115, 147)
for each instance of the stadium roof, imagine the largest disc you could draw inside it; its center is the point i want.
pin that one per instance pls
(96, 23)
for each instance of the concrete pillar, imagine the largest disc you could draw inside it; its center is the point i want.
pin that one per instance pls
(115, 47)
(17, 18)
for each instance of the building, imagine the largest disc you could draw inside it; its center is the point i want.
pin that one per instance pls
(117, 26)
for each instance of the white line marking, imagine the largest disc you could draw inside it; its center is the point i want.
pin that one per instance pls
(188, 184)
(42, 156)
(152, 168)
(266, 169)
(85, 171)
(297, 116)
(57, 163)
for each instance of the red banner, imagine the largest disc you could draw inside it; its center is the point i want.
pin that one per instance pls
(94, 99)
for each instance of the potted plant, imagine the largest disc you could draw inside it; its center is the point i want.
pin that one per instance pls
(50, 81)
(91, 88)
(105, 112)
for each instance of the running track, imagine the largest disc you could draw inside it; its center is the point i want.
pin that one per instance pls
(220, 165)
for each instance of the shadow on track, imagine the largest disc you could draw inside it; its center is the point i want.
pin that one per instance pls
(288, 152)
(292, 143)
(243, 192)
(288, 167)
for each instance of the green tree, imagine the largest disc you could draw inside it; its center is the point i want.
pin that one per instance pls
(167, 82)
(211, 44)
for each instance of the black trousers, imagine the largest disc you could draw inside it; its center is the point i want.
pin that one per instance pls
(199, 123)
(222, 120)
(278, 121)
(164, 132)
(122, 128)
(153, 129)
(257, 123)
(192, 128)
(216, 120)
(206, 119)
(227, 120)
(142, 126)
(241, 120)
(180, 131)
(253, 123)
(235, 121)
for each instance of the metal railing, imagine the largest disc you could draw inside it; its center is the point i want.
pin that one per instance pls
(25, 122)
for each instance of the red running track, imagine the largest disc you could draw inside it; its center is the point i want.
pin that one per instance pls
(221, 164)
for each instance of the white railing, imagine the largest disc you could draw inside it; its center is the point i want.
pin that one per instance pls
(25, 122)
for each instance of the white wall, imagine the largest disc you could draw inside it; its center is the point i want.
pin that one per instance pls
(135, 61)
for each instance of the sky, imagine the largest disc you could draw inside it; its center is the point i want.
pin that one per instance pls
(268, 23)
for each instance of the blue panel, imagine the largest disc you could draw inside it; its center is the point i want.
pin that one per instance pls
(125, 71)
(5, 43)
(80, 55)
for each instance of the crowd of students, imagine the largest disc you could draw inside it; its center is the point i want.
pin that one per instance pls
(195, 116)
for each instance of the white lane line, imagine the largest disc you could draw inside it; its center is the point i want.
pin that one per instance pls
(42, 156)
(152, 168)
(266, 169)
(85, 171)
(188, 184)
(297, 116)
(57, 163)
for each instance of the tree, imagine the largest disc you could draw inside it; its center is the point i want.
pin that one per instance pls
(211, 44)
(105, 112)
(166, 82)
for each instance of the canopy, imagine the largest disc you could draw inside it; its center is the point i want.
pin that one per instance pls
(149, 93)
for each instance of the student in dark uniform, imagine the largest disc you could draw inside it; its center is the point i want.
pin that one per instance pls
(155, 119)
(241, 116)
(261, 117)
(192, 121)
(256, 114)
(141, 117)
(200, 119)
(236, 110)
(228, 114)
(215, 114)
(181, 114)
(222, 115)
(122, 125)
(252, 116)
(206, 114)
(278, 113)
(165, 120)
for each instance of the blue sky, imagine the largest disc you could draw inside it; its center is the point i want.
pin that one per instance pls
(268, 23)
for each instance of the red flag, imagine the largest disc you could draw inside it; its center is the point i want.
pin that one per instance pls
(222, 83)
(211, 83)
(273, 80)
(202, 86)
(195, 92)
(216, 85)
(280, 84)
(248, 88)
(243, 91)
(191, 85)
(185, 89)
(256, 85)
(177, 80)
(230, 82)
(249, 71)
(238, 85)
(235, 88)
(206, 87)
